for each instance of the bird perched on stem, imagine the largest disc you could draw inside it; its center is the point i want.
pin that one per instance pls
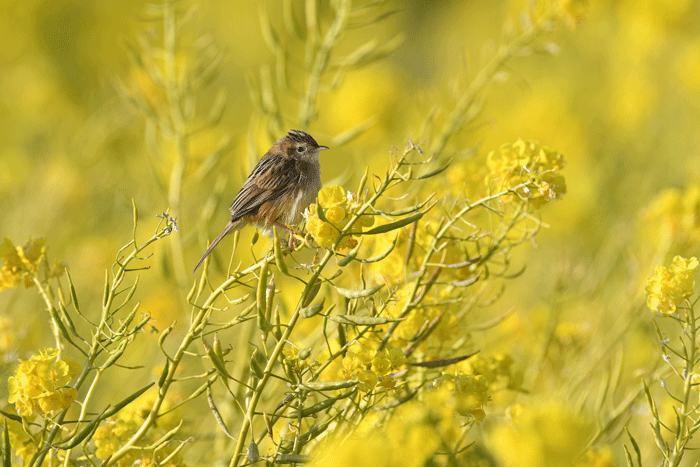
(282, 184)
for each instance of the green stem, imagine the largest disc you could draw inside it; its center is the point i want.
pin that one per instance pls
(193, 333)
(47, 300)
(683, 435)
(83, 414)
(410, 305)
(97, 344)
(272, 360)
(180, 135)
(307, 109)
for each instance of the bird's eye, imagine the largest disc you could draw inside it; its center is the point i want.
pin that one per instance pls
(300, 148)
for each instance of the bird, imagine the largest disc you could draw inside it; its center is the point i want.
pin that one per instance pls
(281, 186)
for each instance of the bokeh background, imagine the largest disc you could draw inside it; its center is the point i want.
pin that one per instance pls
(620, 98)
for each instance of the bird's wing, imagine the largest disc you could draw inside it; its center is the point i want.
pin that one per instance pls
(271, 176)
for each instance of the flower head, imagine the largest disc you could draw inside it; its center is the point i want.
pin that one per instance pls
(20, 262)
(669, 287)
(298, 358)
(40, 383)
(337, 208)
(528, 167)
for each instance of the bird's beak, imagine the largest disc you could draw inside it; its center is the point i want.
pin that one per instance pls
(321, 148)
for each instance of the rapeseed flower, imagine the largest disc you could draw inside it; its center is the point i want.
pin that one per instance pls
(531, 167)
(40, 384)
(669, 287)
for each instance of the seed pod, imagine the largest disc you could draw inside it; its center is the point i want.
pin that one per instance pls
(328, 385)
(257, 363)
(394, 225)
(351, 293)
(382, 255)
(310, 311)
(253, 453)
(279, 257)
(312, 291)
(363, 320)
(261, 299)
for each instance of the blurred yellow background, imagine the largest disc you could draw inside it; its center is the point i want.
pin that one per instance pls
(620, 99)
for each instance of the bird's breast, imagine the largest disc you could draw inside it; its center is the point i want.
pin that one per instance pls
(307, 189)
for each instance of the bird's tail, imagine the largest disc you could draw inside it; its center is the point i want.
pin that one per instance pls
(229, 227)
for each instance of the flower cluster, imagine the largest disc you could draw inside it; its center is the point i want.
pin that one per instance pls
(372, 367)
(299, 358)
(111, 434)
(668, 287)
(497, 370)
(23, 443)
(39, 384)
(20, 262)
(470, 393)
(338, 206)
(530, 164)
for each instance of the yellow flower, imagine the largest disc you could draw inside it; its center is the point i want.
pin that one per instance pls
(469, 393)
(387, 382)
(695, 382)
(20, 262)
(669, 287)
(496, 370)
(295, 361)
(381, 364)
(110, 434)
(113, 432)
(22, 443)
(39, 385)
(368, 380)
(338, 207)
(105, 442)
(396, 356)
(330, 196)
(335, 214)
(404, 441)
(529, 163)
(56, 400)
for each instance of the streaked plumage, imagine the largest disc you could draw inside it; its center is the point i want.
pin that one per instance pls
(282, 184)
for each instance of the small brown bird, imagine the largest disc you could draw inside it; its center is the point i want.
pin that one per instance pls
(282, 184)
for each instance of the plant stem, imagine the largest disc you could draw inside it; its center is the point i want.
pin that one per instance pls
(683, 435)
(180, 135)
